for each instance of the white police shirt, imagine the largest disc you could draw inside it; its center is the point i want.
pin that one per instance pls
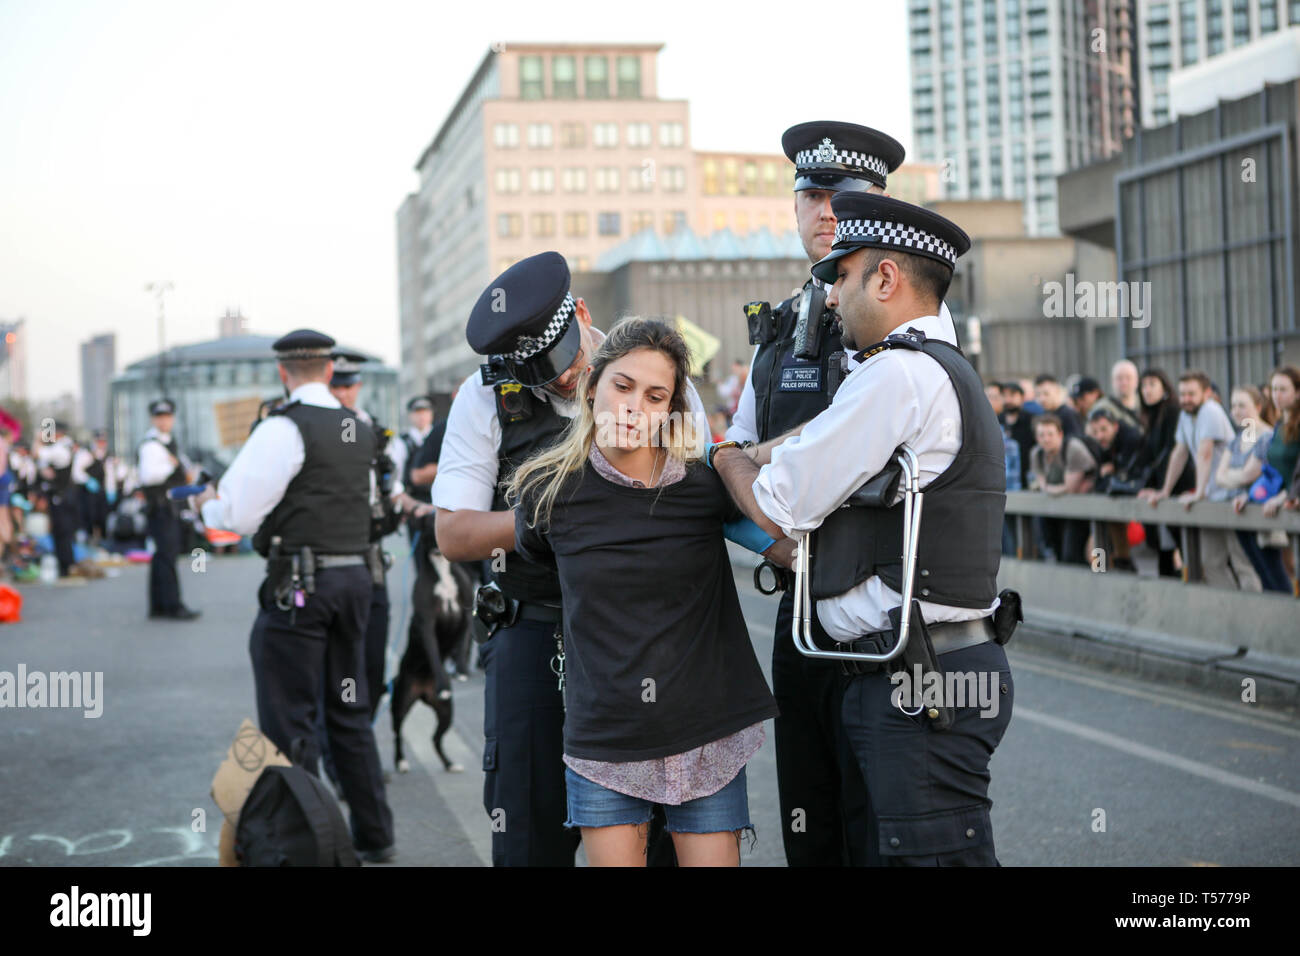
(896, 396)
(467, 468)
(260, 474)
(155, 464)
(744, 424)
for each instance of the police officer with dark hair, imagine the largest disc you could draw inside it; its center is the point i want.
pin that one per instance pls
(538, 338)
(301, 486)
(796, 369)
(160, 468)
(925, 768)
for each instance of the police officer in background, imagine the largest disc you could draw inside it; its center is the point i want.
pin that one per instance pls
(161, 467)
(539, 339)
(419, 412)
(926, 770)
(301, 487)
(794, 374)
(55, 466)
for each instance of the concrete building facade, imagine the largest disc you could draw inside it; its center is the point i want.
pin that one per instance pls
(98, 363)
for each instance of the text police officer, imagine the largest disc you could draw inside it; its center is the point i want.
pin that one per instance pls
(301, 486)
(926, 770)
(161, 467)
(794, 374)
(540, 339)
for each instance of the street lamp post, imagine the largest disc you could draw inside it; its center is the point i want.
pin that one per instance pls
(160, 290)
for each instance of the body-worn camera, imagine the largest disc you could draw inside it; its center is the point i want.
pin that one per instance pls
(762, 325)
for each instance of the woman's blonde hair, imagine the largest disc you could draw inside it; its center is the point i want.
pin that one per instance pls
(538, 481)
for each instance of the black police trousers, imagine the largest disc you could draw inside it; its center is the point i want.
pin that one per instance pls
(164, 586)
(63, 529)
(298, 651)
(823, 798)
(929, 789)
(523, 754)
(376, 644)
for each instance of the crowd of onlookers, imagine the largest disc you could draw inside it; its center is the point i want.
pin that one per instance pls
(1152, 438)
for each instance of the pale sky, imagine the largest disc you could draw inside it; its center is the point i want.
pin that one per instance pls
(255, 154)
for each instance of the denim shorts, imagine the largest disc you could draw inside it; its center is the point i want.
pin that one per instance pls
(591, 805)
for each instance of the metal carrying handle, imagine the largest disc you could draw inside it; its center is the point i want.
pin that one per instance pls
(801, 627)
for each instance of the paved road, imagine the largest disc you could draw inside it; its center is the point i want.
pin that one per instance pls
(1176, 777)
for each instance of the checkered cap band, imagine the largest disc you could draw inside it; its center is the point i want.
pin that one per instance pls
(284, 354)
(530, 345)
(817, 158)
(884, 233)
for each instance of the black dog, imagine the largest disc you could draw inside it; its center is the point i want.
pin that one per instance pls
(442, 602)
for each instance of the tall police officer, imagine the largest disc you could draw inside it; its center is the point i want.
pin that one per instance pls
(926, 772)
(345, 386)
(301, 487)
(796, 369)
(161, 467)
(539, 339)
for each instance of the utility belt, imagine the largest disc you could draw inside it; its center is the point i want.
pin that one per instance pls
(493, 610)
(291, 575)
(927, 642)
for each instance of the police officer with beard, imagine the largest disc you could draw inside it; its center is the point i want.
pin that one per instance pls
(301, 486)
(926, 767)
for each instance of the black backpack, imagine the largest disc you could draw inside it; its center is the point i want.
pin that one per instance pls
(291, 819)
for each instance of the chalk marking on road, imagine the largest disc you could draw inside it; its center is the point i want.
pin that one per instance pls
(462, 792)
(1132, 747)
(1173, 700)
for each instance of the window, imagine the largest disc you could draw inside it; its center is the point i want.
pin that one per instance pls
(507, 180)
(749, 179)
(542, 225)
(711, 177)
(539, 136)
(672, 134)
(642, 219)
(596, 70)
(1267, 16)
(530, 78)
(573, 135)
(719, 221)
(607, 179)
(641, 179)
(541, 180)
(574, 179)
(581, 264)
(510, 225)
(629, 77)
(564, 77)
(575, 224)
(608, 223)
(604, 135)
(730, 182)
(1240, 22)
(505, 135)
(770, 186)
(674, 220)
(674, 178)
(638, 134)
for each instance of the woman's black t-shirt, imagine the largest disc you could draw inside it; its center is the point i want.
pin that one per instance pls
(658, 659)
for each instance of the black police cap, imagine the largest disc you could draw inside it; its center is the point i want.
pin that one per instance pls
(840, 156)
(303, 344)
(419, 402)
(869, 220)
(162, 406)
(527, 316)
(347, 369)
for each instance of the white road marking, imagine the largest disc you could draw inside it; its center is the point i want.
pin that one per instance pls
(1133, 748)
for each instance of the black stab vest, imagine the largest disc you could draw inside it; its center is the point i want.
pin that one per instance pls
(960, 544)
(155, 496)
(327, 504)
(528, 425)
(789, 391)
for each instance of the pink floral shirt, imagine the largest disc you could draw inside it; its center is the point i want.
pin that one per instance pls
(680, 777)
